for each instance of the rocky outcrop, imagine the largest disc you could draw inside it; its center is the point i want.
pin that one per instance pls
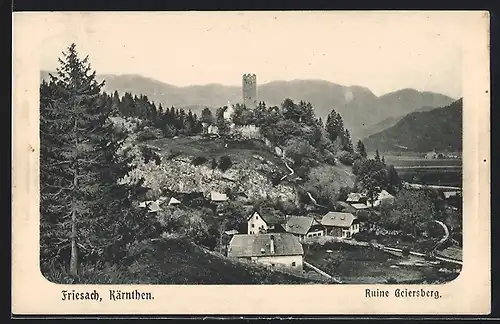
(179, 174)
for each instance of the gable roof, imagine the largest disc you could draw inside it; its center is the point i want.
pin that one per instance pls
(360, 206)
(154, 206)
(217, 196)
(173, 200)
(298, 224)
(244, 245)
(384, 195)
(338, 219)
(269, 218)
(345, 206)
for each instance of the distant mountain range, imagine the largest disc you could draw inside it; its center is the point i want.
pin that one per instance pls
(422, 131)
(363, 112)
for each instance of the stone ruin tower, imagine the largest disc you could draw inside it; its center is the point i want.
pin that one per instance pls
(250, 90)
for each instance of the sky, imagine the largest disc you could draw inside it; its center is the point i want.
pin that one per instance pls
(383, 51)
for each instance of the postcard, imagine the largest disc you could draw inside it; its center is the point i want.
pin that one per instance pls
(239, 163)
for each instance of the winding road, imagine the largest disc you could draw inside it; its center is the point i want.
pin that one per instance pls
(445, 236)
(292, 172)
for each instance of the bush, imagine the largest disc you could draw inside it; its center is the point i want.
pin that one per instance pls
(348, 158)
(329, 158)
(225, 163)
(148, 134)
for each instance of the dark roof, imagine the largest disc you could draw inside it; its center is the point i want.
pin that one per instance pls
(338, 219)
(244, 245)
(298, 224)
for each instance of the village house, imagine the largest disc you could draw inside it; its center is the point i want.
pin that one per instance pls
(218, 197)
(338, 224)
(276, 249)
(302, 227)
(262, 224)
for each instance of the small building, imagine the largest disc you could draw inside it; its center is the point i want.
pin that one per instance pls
(451, 194)
(356, 198)
(218, 197)
(213, 129)
(360, 206)
(276, 249)
(383, 196)
(342, 225)
(302, 227)
(431, 155)
(265, 223)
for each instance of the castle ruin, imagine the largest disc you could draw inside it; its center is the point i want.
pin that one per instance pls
(249, 90)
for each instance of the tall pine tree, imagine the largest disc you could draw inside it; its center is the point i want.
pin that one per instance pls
(82, 205)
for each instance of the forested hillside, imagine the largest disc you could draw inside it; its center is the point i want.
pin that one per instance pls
(438, 129)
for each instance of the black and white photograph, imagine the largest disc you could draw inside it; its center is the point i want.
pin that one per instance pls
(247, 148)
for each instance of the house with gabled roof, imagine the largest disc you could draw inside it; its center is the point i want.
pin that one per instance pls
(338, 224)
(273, 249)
(302, 227)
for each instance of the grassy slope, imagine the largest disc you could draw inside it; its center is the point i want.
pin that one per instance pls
(177, 261)
(199, 146)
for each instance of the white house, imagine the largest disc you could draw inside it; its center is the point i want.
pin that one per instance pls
(218, 197)
(342, 225)
(302, 227)
(262, 224)
(276, 249)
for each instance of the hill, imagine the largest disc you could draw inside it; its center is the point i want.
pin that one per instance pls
(178, 261)
(359, 107)
(438, 129)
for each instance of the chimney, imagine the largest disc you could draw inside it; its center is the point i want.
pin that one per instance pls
(271, 243)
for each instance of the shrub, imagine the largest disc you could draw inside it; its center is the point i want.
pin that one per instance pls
(225, 163)
(347, 158)
(148, 134)
(329, 158)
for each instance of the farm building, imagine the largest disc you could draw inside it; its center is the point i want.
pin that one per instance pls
(302, 227)
(276, 249)
(342, 225)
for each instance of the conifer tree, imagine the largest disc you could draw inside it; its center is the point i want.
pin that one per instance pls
(82, 205)
(360, 147)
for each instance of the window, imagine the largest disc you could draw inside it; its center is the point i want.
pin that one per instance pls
(293, 264)
(253, 225)
(272, 264)
(256, 217)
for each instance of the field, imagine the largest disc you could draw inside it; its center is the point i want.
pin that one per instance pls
(367, 265)
(414, 169)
